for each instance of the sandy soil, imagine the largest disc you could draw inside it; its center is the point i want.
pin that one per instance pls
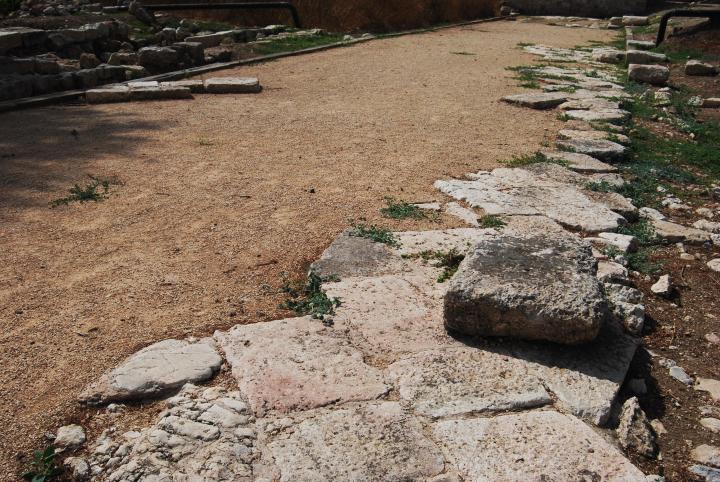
(220, 195)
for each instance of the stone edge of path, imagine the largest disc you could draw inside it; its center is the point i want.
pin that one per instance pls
(49, 99)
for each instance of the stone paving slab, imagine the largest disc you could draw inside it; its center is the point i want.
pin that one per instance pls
(232, 85)
(155, 370)
(586, 378)
(356, 442)
(603, 149)
(532, 446)
(462, 381)
(297, 364)
(519, 192)
(351, 255)
(543, 100)
(581, 163)
(392, 315)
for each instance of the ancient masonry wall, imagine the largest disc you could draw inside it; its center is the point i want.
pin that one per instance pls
(579, 8)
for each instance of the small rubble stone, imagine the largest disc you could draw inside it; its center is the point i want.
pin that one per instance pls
(679, 374)
(157, 58)
(708, 473)
(712, 424)
(709, 226)
(78, 467)
(70, 437)
(651, 74)
(650, 213)
(696, 67)
(663, 286)
(623, 242)
(645, 57)
(611, 272)
(714, 264)
(154, 371)
(706, 455)
(123, 58)
(232, 85)
(626, 304)
(562, 448)
(709, 385)
(634, 431)
(557, 298)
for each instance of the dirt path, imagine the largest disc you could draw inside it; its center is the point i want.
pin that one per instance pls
(222, 194)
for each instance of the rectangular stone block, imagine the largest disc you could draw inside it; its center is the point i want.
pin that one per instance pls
(118, 93)
(9, 39)
(196, 86)
(232, 85)
(159, 93)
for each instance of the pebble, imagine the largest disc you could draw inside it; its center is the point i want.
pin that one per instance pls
(712, 424)
(680, 375)
(663, 286)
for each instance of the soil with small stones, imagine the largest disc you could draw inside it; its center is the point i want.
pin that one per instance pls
(222, 194)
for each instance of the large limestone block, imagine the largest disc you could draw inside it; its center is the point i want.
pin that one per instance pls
(538, 288)
(696, 67)
(297, 364)
(615, 116)
(645, 57)
(651, 74)
(592, 135)
(467, 380)
(371, 441)
(543, 100)
(355, 256)
(533, 446)
(155, 371)
(677, 233)
(581, 163)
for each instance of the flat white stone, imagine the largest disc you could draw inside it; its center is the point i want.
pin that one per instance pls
(461, 212)
(155, 371)
(297, 364)
(541, 445)
(675, 233)
(599, 115)
(709, 385)
(599, 148)
(520, 192)
(572, 134)
(157, 92)
(650, 213)
(466, 381)
(581, 162)
(624, 242)
(706, 454)
(545, 100)
(196, 86)
(117, 93)
(370, 441)
(232, 85)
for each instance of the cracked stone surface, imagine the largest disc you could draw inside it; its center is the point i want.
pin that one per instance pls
(459, 381)
(592, 135)
(354, 256)
(615, 116)
(203, 435)
(297, 364)
(585, 378)
(581, 162)
(370, 441)
(602, 149)
(539, 288)
(507, 191)
(539, 445)
(542, 100)
(155, 371)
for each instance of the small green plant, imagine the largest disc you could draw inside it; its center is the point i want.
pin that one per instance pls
(96, 190)
(643, 231)
(43, 466)
(640, 261)
(205, 142)
(491, 221)
(611, 252)
(529, 159)
(375, 233)
(401, 210)
(600, 186)
(309, 298)
(448, 260)
(462, 53)
(292, 44)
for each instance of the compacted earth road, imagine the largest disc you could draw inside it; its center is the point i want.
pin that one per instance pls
(210, 202)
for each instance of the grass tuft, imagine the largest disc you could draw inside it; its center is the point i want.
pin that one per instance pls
(491, 221)
(375, 233)
(96, 190)
(309, 298)
(529, 159)
(402, 210)
(43, 468)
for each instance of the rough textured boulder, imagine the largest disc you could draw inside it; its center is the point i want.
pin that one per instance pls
(644, 57)
(634, 432)
(538, 288)
(695, 67)
(158, 58)
(156, 370)
(651, 74)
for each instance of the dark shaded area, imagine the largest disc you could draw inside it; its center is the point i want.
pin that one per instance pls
(32, 180)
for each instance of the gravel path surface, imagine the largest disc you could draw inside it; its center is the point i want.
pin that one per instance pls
(218, 196)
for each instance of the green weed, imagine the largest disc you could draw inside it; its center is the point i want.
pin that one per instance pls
(491, 221)
(96, 190)
(292, 44)
(463, 53)
(43, 466)
(448, 260)
(529, 159)
(402, 210)
(375, 233)
(309, 298)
